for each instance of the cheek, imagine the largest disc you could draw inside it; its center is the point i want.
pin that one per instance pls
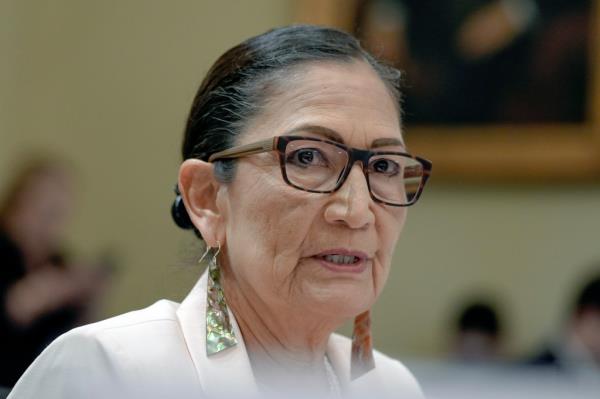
(266, 225)
(389, 224)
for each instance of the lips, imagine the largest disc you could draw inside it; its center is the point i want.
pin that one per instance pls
(343, 260)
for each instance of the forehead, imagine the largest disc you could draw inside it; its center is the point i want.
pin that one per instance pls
(348, 98)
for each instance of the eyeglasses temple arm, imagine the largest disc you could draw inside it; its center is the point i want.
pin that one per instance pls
(248, 149)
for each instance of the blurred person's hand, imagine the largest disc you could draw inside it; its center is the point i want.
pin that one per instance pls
(49, 289)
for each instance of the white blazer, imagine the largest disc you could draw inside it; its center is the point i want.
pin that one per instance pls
(160, 352)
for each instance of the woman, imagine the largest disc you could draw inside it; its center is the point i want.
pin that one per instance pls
(41, 294)
(296, 177)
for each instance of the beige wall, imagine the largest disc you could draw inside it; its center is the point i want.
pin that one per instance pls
(527, 248)
(107, 84)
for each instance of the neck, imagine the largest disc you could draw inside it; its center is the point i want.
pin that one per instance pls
(286, 346)
(578, 349)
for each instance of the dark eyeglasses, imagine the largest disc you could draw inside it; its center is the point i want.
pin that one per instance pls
(322, 166)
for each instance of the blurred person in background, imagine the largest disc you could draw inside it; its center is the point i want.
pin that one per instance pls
(576, 353)
(478, 333)
(42, 295)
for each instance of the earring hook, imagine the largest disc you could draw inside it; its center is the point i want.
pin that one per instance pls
(218, 248)
(208, 248)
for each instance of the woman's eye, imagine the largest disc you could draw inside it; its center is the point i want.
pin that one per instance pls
(385, 166)
(307, 157)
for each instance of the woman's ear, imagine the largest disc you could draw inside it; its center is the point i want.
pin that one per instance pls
(198, 188)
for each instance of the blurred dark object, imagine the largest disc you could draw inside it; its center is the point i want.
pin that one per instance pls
(42, 293)
(577, 351)
(484, 61)
(478, 333)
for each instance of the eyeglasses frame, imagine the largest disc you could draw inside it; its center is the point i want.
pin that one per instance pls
(279, 144)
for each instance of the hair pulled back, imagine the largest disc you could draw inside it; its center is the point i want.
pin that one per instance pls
(236, 87)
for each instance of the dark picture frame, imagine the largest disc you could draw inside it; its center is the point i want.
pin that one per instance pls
(500, 152)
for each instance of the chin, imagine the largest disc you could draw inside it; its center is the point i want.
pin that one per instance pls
(344, 302)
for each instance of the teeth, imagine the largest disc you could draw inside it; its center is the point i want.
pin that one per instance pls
(341, 259)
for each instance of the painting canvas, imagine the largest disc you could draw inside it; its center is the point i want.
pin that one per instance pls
(484, 61)
(494, 90)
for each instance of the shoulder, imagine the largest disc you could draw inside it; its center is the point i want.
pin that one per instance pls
(546, 356)
(396, 376)
(149, 332)
(162, 312)
(117, 354)
(390, 376)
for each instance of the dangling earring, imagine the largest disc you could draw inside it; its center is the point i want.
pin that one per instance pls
(219, 331)
(362, 346)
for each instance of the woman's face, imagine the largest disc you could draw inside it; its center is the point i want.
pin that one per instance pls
(276, 238)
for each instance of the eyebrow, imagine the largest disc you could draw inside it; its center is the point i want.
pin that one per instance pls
(384, 142)
(335, 136)
(320, 130)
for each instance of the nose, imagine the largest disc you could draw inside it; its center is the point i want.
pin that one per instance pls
(351, 204)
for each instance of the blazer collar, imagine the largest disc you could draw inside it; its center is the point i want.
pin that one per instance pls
(229, 372)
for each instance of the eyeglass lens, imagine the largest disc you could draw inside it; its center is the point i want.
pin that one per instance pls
(319, 166)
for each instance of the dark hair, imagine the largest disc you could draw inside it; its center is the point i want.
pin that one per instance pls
(481, 317)
(589, 297)
(238, 85)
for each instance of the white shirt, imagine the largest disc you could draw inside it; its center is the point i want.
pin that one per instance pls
(160, 352)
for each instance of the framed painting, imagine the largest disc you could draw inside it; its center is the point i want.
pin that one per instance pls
(495, 90)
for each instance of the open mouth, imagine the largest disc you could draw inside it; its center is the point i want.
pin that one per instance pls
(342, 259)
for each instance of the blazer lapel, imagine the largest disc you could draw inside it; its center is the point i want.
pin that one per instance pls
(227, 373)
(338, 352)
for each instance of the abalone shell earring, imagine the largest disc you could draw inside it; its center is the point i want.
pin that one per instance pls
(219, 330)
(362, 346)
